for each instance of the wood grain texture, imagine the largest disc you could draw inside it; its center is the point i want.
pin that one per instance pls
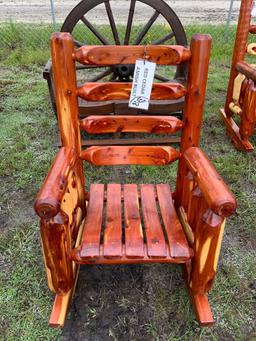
(247, 70)
(240, 47)
(248, 117)
(131, 124)
(112, 55)
(47, 203)
(124, 238)
(177, 241)
(208, 237)
(113, 227)
(156, 246)
(119, 91)
(130, 155)
(214, 190)
(134, 244)
(62, 302)
(64, 72)
(93, 223)
(233, 132)
(194, 103)
(56, 240)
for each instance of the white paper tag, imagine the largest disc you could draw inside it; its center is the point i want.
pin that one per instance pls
(253, 13)
(142, 84)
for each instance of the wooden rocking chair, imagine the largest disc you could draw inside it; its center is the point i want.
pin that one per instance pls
(241, 92)
(185, 227)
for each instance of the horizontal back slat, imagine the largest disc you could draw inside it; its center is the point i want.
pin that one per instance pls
(119, 91)
(130, 155)
(131, 124)
(112, 54)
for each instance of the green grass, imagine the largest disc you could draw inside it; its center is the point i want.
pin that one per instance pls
(28, 142)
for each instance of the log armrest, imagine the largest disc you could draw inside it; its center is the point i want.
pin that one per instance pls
(49, 198)
(247, 70)
(216, 193)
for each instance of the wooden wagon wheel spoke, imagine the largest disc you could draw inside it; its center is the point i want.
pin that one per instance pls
(94, 31)
(162, 40)
(112, 22)
(129, 23)
(146, 28)
(161, 78)
(101, 75)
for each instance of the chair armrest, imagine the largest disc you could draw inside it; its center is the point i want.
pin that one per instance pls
(49, 198)
(215, 191)
(247, 70)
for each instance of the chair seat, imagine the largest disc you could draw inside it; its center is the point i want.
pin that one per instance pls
(131, 224)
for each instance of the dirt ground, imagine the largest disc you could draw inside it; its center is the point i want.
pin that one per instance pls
(195, 11)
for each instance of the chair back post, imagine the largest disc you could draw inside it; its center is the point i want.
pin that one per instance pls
(64, 71)
(194, 102)
(240, 47)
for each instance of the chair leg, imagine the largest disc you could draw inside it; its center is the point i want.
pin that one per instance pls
(233, 132)
(62, 302)
(199, 302)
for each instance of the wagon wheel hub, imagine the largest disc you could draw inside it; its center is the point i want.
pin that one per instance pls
(123, 72)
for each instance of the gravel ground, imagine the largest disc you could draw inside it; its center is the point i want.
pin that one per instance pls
(194, 11)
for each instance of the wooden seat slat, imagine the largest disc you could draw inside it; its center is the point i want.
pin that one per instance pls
(130, 155)
(120, 91)
(131, 124)
(134, 244)
(156, 245)
(113, 225)
(177, 241)
(125, 54)
(93, 223)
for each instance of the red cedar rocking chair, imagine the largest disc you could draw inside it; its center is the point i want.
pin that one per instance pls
(184, 228)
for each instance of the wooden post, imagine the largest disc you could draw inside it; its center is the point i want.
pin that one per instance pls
(240, 47)
(194, 102)
(208, 237)
(248, 117)
(64, 72)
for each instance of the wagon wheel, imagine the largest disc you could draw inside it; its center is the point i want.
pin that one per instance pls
(175, 33)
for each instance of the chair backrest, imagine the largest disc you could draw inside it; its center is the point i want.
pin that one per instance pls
(64, 57)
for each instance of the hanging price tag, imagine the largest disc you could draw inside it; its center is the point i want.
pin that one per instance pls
(142, 84)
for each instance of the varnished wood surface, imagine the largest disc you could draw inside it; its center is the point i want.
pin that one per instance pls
(130, 155)
(49, 198)
(134, 244)
(112, 55)
(194, 102)
(108, 91)
(131, 124)
(141, 233)
(113, 226)
(233, 132)
(215, 191)
(240, 47)
(248, 118)
(247, 70)
(93, 222)
(177, 241)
